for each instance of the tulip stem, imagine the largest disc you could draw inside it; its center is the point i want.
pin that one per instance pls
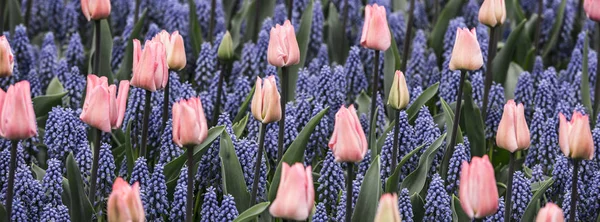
(97, 48)
(11, 178)
(217, 108)
(256, 18)
(409, 28)
(508, 197)
(284, 95)
(395, 147)
(28, 12)
(349, 191)
(574, 194)
(261, 144)
(290, 9)
(344, 23)
(374, 90)
(538, 30)
(2, 6)
(145, 121)
(457, 109)
(166, 103)
(97, 134)
(211, 24)
(597, 84)
(492, 45)
(136, 16)
(190, 184)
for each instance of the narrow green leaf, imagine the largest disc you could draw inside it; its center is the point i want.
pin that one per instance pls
(244, 107)
(391, 63)
(252, 212)
(585, 81)
(458, 214)
(233, 176)
(555, 29)
(526, 40)
(236, 23)
(130, 154)
(391, 185)
(43, 104)
(451, 10)
(368, 197)
(418, 207)
(238, 127)
(55, 87)
(125, 69)
(415, 181)
(266, 10)
(38, 172)
(335, 36)
(518, 11)
(106, 44)
(474, 127)
(373, 132)
(80, 209)
(13, 16)
(505, 56)
(425, 96)
(3, 213)
(533, 206)
(512, 77)
(303, 37)
(195, 32)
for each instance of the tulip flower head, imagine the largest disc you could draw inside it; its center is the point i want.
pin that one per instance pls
(295, 195)
(124, 202)
(7, 61)
(348, 142)
(592, 9)
(387, 211)
(266, 105)
(399, 95)
(189, 122)
(550, 213)
(17, 118)
(477, 190)
(283, 48)
(376, 32)
(95, 9)
(150, 68)
(174, 48)
(513, 133)
(226, 51)
(492, 13)
(575, 137)
(466, 54)
(103, 108)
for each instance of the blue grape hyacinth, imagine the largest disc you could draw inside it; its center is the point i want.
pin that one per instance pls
(437, 201)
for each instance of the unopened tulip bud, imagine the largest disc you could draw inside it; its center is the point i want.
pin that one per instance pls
(226, 51)
(95, 9)
(477, 190)
(592, 9)
(295, 195)
(348, 142)
(150, 68)
(174, 47)
(103, 108)
(387, 211)
(7, 61)
(283, 48)
(399, 95)
(492, 13)
(375, 32)
(17, 118)
(266, 106)
(575, 137)
(550, 213)
(466, 54)
(513, 133)
(124, 202)
(189, 122)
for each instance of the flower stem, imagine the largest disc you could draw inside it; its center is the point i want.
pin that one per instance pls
(395, 147)
(211, 24)
(284, 98)
(145, 121)
(97, 134)
(538, 30)
(3, 6)
(217, 108)
(290, 9)
(492, 45)
(256, 18)
(28, 12)
(409, 28)
(597, 84)
(349, 191)
(457, 109)
(508, 197)
(190, 184)
(574, 194)
(344, 23)
(166, 103)
(97, 48)
(261, 144)
(375, 89)
(11, 178)
(136, 16)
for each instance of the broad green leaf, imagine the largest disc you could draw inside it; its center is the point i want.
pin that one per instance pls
(266, 9)
(512, 77)
(251, 213)
(43, 104)
(13, 16)
(368, 197)
(555, 29)
(474, 127)
(335, 36)
(533, 206)
(55, 87)
(415, 181)
(518, 11)
(126, 67)
(238, 127)
(505, 56)
(391, 185)
(236, 23)
(244, 106)
(364, 103)
(458, 214)
(585, 81)
(303, 37)
(373, 132)
(80, 208)
(436, 39)
(233, 176)
(425, 96)
(195, 32)
(526, 40)
(106, 45)
(417, 205)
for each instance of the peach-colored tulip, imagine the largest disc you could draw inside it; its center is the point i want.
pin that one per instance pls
(492, 12)
(477, 189)
(592, 9)
(283, 48)
(466, 54)
(399, 95)
(189, 122)
(17, 118)
(150, 68)
(124, 203)
(550, 213)
(266, 105)
(95, 9)
(102, 108)
(7, 61)
(348, 141)
(296, 194)
(174, 47)
(375, 32)
(575, 137)
(513, 133)
(387, 211)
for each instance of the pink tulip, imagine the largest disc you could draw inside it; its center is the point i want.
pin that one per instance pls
(592, 9)
(348, 141)
(575, 137)
(477, 190)
(550, 213)
(492, 12)
(7, 61)
(466, 54)
(266, 105)
(387, 211)
(124, 203)
(513, 133)
(174, 47)
(189, 122)
(17, 118)
(95, 9)
(283, 47)
(375, 32)
(296, 195)
(150, 68)
(102, 108)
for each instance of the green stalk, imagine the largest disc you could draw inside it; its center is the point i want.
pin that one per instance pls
(190, 184)
(97, 135)
(374, 87)
(11, 178)
(261, 144)
(145, 121)
(493, 44)
(211, 24)
(463, 74)
(508, 197)
(349, 191)
(574, 194)
(284, 98)
(166, 102)
(217, 108)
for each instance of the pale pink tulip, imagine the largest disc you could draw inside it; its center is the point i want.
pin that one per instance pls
(266, 105)
(124, 203)
(17, 118)
(174, 47)
(575, 137)
(492, 12)
(95, 9)
(466, 54)
(387, 211)
(295, 195)
(477, 190)
(150, 68)
(513, 133)
(375, 32)
(283, 48)
(399, 95)
(103, 108)
(189, 122)
(550, 213)
(592, 9)
(7, 61)
(348, 142)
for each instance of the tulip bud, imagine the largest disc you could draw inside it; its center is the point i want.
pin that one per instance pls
(295, 195)
(283, 47)
(102, 108)
(387, 211)
(375, 32)
(266, 105)
(150, 69)
(477, 190)
(399, 95)
(466, 54)
(17, 118)
(174, 47)
(124, 202)
(575, 137)
(550, 213)
(513, 133)
(225, 51)
(592, 9)
(492, 12)
(348, 141)
(7, 61)
(95, 9)
(189, 122)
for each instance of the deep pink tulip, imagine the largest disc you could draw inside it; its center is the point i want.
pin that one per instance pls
(295, 195)
(550, 213)
(7, 61)
(174, 47)
(492, 12)
(348, 142)
(189, 122)
(150, 68)
(95, 9)
(477, 190)
(283, 48)
(266, 105)
(103, 108)
(124, 203)
(513, 133)
(466, 54)
(592, 9)
(17, 118)
(575, 137)
(375, 32)
(387, 211)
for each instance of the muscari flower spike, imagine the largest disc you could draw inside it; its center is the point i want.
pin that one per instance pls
(179, 197)
(246, 151)
(227, 211)
(65, 133)
(437, 201)
(331, 181)
(521, 195)
(52, 182)
(106, 172)
(320, 214)
(156, 195)
(461, 153)
(405, 206)
(356, 79)
(210, 206)
(140, 173)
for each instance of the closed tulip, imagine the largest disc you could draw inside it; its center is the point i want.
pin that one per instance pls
(387, 211)
(295, 195)
(189, 122)
(477, 189)
(466, 54)
(17, 119)
(150, 68)
(550, 213)
(492, 13)
(575, 136)
(348, 141)
(226, 51)
(266, 105)
(95, 9)
(174, 48)
(375, 32)
(124, 203)
(399, 95)
(592, 9)
(7, 61)
(103, 108)
(283, 47)
(513, 133)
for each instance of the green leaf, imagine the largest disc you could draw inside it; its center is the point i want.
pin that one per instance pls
(266, 10)
(417, 205)
(252, 212)
(415, 181)
(458, 214)
(364, 102)
(236, 23)
(514, 71)
(233, 176)
(505, 56)
(368, 197)
(449, 118)
(126, 67)
(525, 43)
(303, 37)
(242, 110)
(3, 213)
(518, 11)
(474, 127)
(80, 209)
(55, 87)
(238, 127)
(391, 185)
(451, 10)
(391, 63)
(130, 154)
(106, 44)
(555, 29)
(533, 206)
(43, 104)
(585, 81)
(335, 36)
(425, 96)
(13, 16)
(295, 152)
(195, 32)
(373, 132)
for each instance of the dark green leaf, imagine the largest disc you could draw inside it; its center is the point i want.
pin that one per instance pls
(125, 69)
(585, 81)
(238, 127)
(391, 63)
(425, 96)
(303, 37)
(43, 104)
(13, 15)
(512, 77)
(106, 44)
(244, 106)
(195, 32)
(335, 36)
(55, 87)
(233, 176)
(266, 9)
(458, 214)
(373, 132)
(533, 206)
(3, 213)
(451, 10)
(368, 197)
(518, 11)
(417, 205)
(555, 29)
(364, 103)
(505, 56)
(80, 209)
(525, 43)
(474, 127)
(391, 185)
(236, 23)
(252, 212)
(415, 181)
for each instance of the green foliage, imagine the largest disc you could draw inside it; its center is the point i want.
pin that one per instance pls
(368, 197)
(233, 176)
